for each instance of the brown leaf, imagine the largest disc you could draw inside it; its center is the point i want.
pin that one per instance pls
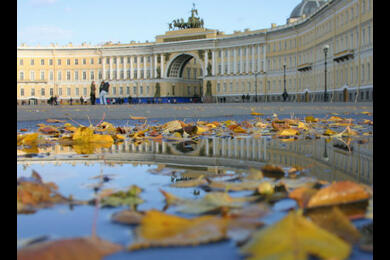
(91, 248)
(302, 195)
(339, 193)
(129, 217)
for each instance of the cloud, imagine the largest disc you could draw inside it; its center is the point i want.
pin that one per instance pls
(44, 34)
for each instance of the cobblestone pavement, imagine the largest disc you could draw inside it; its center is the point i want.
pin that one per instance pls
(42, 112)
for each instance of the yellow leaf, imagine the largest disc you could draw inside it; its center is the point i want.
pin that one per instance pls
(288, 132)
(159, 229)
(29, 139)
(295, 237)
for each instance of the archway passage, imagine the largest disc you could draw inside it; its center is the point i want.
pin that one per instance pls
(175, 69)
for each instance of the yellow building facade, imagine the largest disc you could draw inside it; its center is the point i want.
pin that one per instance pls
(207, 63)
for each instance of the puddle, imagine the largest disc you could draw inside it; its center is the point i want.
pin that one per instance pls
(155, 165)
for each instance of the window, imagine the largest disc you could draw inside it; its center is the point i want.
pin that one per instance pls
(77, 92)
(22, 92)
(68, 92)
(33, 92)
(42, 92)
(68, 75)
(147, 90)
(51, 62)
(368, 71)
(60, 91)
(59, 62)
(32, 62)
(84, 91)
(51, 92)
(51, 75)
(42, 62)
(91, 61)
(76, 75)
(141, 90)
(121, 60)
(362, 77)
(218, 87)
(114, 60)
(134, 90)
(100, 74)
(42, 75)
(84, 61)
(59, 75)
(84, 75)
(92, 76)
(100, 60)
(76, 61)
(21, 75)
(107, 60)
(68, 62)
(121, 88)
(128, 90)
(32, 75)
(20, 62)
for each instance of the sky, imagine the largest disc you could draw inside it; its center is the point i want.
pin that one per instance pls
(42, 22)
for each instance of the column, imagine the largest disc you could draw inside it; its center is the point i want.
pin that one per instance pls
(213, 62)
(235, 61)
(258, 58)
(247, 59)
(222, 62)
(151, 66)
(253, 59)
(110, 68)
(206, 60)
(228, 60)
(265, 58)
(155, 66)
(124, 67)
(162, 66)
(241, 62)
(104, 67)
(131, 67)
(145, 74)
(117, 68)
(138, 67)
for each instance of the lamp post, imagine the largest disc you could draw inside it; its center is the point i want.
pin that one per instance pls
(256, 86)
(285, 95)
(325, 48)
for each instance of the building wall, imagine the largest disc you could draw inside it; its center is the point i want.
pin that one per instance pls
(249, 62)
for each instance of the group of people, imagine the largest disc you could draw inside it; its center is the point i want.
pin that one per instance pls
(103, 91)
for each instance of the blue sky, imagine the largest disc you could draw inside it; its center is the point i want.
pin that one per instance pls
(97, 21)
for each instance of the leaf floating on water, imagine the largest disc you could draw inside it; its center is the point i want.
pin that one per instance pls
(339, 193)
(191, 183)
(123, 198)
(91, 248)
(273, 171)
(337, 223)
(295, 237)
(129, 217)
(158, 229)
(32, 193)
(211, 202)
(302, 195)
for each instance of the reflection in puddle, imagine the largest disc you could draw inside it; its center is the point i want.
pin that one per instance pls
(327, 160)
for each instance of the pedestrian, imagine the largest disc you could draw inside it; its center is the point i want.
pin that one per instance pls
(243, 98)
(103, 90)
(81, 100)
(93, 93)
(70, 101)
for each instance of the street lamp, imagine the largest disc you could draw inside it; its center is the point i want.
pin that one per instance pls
(285, 95)
(256, 86)
(325, 48)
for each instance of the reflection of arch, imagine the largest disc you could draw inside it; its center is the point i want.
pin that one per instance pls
(177, 63)
(195, 152)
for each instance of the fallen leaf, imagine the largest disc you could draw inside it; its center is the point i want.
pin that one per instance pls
(337, 223)
(302, 195)
(295, 237)
(158, 229)
(339, 193)
(91, 248)
(129, 217)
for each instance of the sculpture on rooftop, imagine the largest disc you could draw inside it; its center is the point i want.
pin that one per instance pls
(193, 21)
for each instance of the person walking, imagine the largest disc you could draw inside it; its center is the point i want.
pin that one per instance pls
(103, 89)
(93, 93)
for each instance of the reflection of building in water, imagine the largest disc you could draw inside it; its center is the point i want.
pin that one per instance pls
(323, 161)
